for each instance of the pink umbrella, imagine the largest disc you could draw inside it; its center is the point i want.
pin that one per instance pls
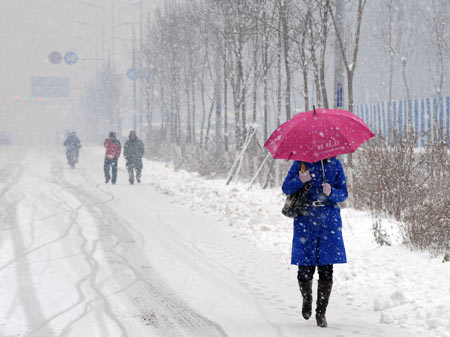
(318, 134)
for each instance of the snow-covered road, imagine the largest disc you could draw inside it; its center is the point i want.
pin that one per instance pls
(82, 258)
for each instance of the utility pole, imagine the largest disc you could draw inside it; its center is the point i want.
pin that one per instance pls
(114, 101)
(135, 119)
(113, 37)
(140, 65)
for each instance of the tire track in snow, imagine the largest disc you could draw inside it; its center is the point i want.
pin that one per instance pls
(43, 323)
(134, 231)
(25, 253)
(90, 279)
(157, 305)
(27, 296)
(89, 306)
(79, 284)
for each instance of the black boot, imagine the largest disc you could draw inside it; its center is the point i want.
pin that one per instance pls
(306, 290)
(323, 295)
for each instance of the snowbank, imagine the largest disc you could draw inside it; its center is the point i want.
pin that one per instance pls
(407, 288)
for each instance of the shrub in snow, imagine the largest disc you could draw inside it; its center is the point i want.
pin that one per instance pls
(385, 176)
(446, 257)
(381, 237)
(411, 186)
(428, 227)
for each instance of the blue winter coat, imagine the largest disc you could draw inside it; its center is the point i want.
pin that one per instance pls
(318, 235)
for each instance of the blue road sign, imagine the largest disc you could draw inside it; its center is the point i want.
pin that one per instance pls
(133, 74)
(71, 57)
(55, 57)
(50, 86)
(339, 96)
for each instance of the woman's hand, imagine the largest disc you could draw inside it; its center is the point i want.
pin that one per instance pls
(304, 176)
(326, 189)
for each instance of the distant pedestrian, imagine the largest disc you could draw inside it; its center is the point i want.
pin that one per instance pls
(133, 152)
(317, 241)
(113, 149)
(73, 146)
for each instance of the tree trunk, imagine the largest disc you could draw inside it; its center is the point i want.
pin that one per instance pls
(193, 112)
(225, 98)
(265, 61)
(188, 107)
(279, 74)
(286, 46)
(255, 72)
(405, 81)
(304, 66)
(322, 54)
(202, 89)
(208, 128)
(350, 90)
(316, 78)
(238, 97)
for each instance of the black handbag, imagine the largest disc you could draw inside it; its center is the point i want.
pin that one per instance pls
(297, 204)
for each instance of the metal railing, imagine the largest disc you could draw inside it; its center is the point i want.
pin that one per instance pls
(428, 118)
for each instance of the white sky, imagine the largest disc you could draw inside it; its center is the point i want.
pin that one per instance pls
(31, 29)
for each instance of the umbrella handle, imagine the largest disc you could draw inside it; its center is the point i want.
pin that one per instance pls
(303, 170)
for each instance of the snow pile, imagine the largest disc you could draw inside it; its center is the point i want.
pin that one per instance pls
(407, 288)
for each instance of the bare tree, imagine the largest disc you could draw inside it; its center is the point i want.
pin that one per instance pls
(301, 11)
(437, 21)
(284, 7)
(350, 64)
(397, 36)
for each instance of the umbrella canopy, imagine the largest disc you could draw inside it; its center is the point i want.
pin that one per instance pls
(318, 134)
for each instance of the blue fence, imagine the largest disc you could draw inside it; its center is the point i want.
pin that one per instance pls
(429, 118)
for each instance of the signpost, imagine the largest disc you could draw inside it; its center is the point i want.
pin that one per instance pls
(339, 96)
(71, 57)
(133, 74)
(50, 86)
(55, 57)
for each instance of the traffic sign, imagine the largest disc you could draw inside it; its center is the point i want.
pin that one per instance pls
(133, 74)
(71, 57)
(339, 96)
(55, 57)
(50, 86)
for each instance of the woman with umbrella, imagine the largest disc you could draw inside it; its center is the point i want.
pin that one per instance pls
(313, 139)
(318, 234)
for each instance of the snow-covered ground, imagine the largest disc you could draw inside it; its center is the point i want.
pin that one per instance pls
(409, 289)
(179, 255)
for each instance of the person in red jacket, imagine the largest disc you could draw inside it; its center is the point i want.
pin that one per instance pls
(112, 154)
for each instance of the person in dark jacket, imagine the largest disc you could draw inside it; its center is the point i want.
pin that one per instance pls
(113, 149)
(133, 152)
(73, 145)
(317, 240)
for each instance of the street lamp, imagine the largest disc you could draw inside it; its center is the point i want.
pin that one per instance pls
(109, 17)
(92, 29)
(133, 74)
(115, 25)
(139, 65)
